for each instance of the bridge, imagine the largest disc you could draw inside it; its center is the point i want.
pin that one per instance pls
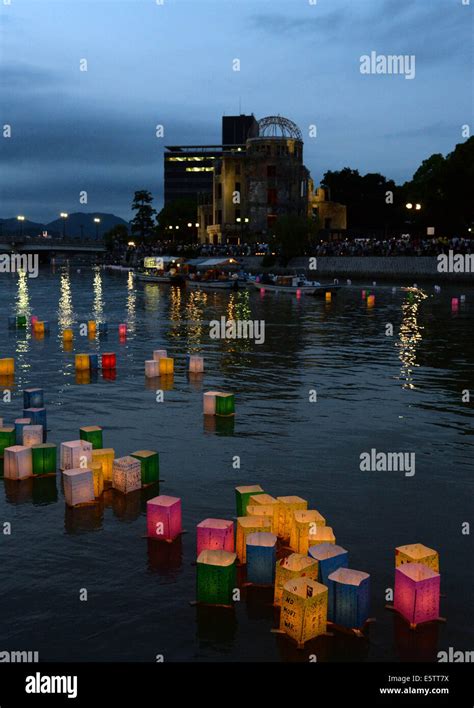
(52, 246)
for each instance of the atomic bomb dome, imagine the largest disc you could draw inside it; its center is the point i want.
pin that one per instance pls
(278, 127)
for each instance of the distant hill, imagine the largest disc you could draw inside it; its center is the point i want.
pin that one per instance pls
(73, 225)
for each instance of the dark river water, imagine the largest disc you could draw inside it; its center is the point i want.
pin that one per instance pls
(392, 393)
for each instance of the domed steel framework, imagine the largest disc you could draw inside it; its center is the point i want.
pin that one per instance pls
(278, 127)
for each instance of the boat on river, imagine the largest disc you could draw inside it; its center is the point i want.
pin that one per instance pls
(293, 285)
(161, 269)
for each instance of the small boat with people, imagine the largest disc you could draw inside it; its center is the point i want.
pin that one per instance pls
(161, 269)
(292, 284)
(214, 274)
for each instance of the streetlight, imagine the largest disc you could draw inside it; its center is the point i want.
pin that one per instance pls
(418, 207)
(409, 205)
(131, 244)
(64, 216)
(189, 224)
(96, 222)
(21, 220)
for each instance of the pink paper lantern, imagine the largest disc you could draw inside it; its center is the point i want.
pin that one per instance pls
(33, 319)
(163, 518)
(215, 535)
(417, 593)
(122, 330)
(455, 303)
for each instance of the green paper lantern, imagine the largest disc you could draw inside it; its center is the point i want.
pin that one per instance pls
(216, 577)
(150, 465)
(21, 321)
(7, 438)
(225, 404)
(242, 496)
(92, 434)
(44, 458)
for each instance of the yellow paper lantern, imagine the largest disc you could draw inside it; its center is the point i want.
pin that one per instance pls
(68, 335)
(264, 510)
(292, 567)
(287, 506)
(267, 501)
(328, 296)
(7, 366)
(98, 478)
(166, 365)
(417, 553)
(38, 328)
(106, 457)
(245, 526)
(92, 327)
(324, 534)
(82, 362)
(304, 609)
(304, 526)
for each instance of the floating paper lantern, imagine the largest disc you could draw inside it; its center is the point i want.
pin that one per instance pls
(215, 535)
(287, 506)
(265, 511)
(160, 354)
(33, 398)
(292, 567)
(328, 296)
(21, 321)
(416, 594)
(93, 362)
(370, 300)
(330, 557)
(68, 335)
(364, 294)
(149, 464)
(103, 327)
(17, 462)
(218, 403)
(261, 558)
(93, 434)
(78, 486)
(82, 362)
(7, 366)
(349, 597)
(304, 608)
(33, 319)
(163, 517)
(32, 435)
(74, 454)
(36, 415)
(106, 457)
(454, 304)
(245, 526)
(196, 364)
(166, 365)
(91, 327)
(304, 525)
(39, 328)
(19, 425)
(324, 534)
(97, 478)
(126, 474)
(216, 577)
(122, 330)
(268, 504)
(152, 368)
(417, 553)
(242, 497)
(44, 458)
(109, 360)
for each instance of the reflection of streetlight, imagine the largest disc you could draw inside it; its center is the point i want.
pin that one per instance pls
(64, 216)
(21, 220)
(96, 222)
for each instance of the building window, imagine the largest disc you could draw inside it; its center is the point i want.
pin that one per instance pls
(271, 197)
(271, 170)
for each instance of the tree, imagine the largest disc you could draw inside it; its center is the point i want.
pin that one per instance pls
(293, 235)
(143, 221)
(179, 212)
(116, 235)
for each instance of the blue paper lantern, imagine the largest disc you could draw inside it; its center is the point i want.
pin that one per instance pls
(261, 557)
(330, 557)
(349, 597)
(33, 398)
(94, 361)
(103, 327)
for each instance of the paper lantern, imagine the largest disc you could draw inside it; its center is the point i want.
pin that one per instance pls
(37, 416)
(91, 327)
(263, 510)
(287, 506)
(93, 362)
(328, 296)
(122, 330)
(7, 438)
(454, 303)
(33, 398)
(218, 403)
(242, 497)
(44, 457)
(19, 425)
(82, 362)
(215, 535)
(39, 328)
(245, 526)
(196, 364)
(149, 465)
(261, 558)
(97, 478)
(33, 319)
(126, 474)
(216, 577)
(304, 608)
(268, 504)
(416, 594)
(17, 462)
(163, 517)
(152, 368)
(349, 597)
(166, 365)
(68, 335)
(370, 300)
(75, 454)
(78, 486)
(93, 434)
(103, 327)
(109, 360)
(292, 567)
(32, 435)
(417, 553)
(7, 366)
(304, 525)
(330, 557)
(159, 354)
(324, 534)
(106, 457)
(21, 321)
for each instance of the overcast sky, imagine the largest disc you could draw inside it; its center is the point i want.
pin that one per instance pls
(172, 64)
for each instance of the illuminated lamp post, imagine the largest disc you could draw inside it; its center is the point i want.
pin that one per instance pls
(21, 220)
(64, 216)
(96, 222)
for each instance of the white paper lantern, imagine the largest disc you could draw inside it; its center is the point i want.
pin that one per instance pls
(32, 435)
(17, 462)
(160, 354)
(152, 368)
(75, 454)
(78, 486)
(196, 364)
(127, 474)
